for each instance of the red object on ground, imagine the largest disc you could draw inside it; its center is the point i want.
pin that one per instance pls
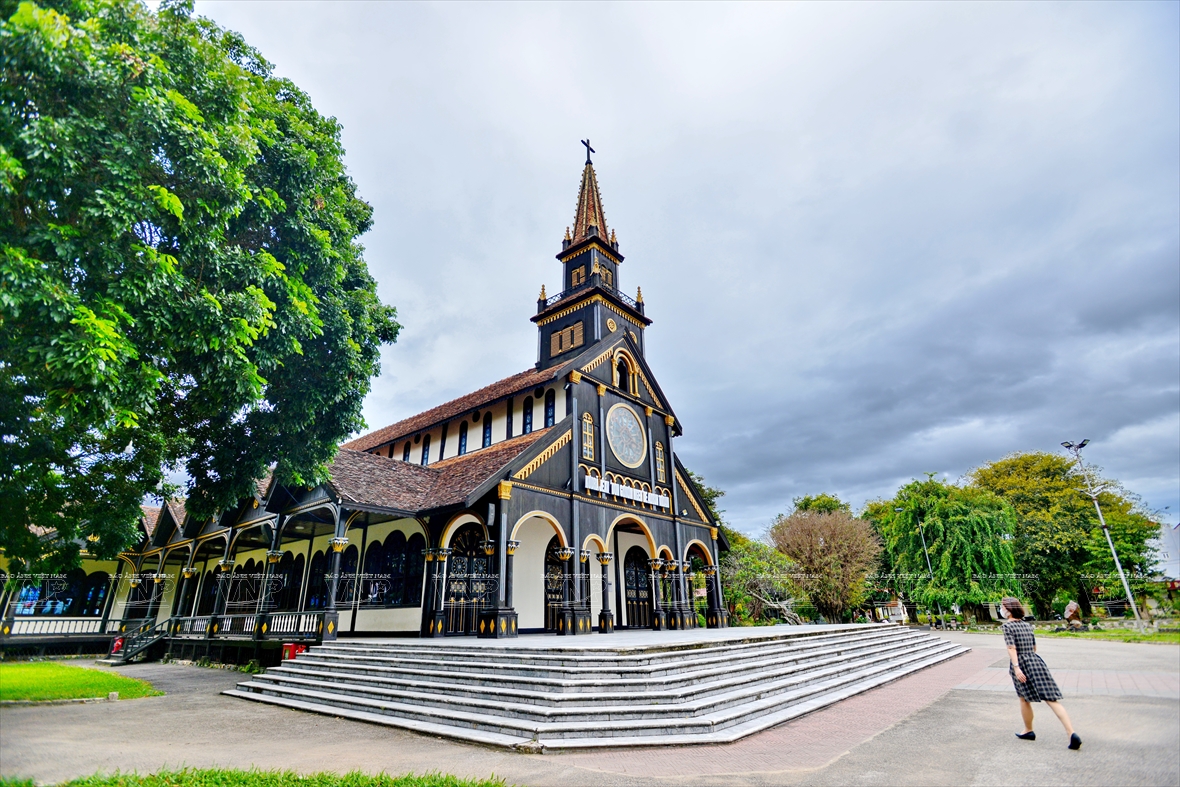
(292, 649)
(118, 645)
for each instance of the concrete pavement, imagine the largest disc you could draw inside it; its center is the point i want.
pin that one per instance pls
(950, 724)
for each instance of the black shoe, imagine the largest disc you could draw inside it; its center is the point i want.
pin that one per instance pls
(1075, 742)
(1027, 736)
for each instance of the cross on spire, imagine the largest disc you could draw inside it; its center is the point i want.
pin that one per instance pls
(589, 149)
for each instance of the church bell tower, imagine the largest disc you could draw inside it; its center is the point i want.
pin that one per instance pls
(590, 305)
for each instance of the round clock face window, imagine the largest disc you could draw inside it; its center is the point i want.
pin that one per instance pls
(625, 434)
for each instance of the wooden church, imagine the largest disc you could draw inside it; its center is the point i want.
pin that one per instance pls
(549, 501)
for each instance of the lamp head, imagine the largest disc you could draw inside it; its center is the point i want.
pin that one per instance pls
(1084, 443)
(1067, 445)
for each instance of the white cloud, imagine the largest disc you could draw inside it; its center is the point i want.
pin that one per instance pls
(876, 240)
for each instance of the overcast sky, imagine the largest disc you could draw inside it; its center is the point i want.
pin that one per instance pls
(877, 240)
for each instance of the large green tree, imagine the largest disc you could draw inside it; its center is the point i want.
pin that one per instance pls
(180, 277)
(967, 533)
(1059, 545)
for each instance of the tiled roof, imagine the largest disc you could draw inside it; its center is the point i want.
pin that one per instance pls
(176, 506)
(368, 479)
(523, 381)
(151, 515)
(263, 484)
(461, 475)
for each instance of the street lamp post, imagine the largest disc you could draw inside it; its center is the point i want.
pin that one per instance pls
(929, 567)
(1092, 491)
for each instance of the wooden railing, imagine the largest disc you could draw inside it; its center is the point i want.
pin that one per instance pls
(237, 626)
(48, 627)
(261, 626)
(191, 627)
(295, 625)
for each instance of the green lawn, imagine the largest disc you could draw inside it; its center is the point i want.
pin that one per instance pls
(1119, 635)
(1109, 635)
(216, 777)
(50, 680)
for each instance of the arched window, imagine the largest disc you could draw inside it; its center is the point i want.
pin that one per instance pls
(406, 452)
(487, 430)
(395, 549)
(623, 374)
(292, 574)
(208, 594)
(426, 450)
(374, 579)
(95, 593)
(661, 473)
(346, 587)
(550, 407)
(463, 438)
(317, 583)
(415, 568)
(588, 436)
(526, 416)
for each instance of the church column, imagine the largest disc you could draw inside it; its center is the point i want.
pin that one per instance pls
(431, 589)
(581, 605)
(719, 614)
(678, 591)
(606, 621)
(658, 621)
(668, 575)
(338, 543)
(502, 560)
(565, 622)
(438, 627)
(510, 548)
(498, 619)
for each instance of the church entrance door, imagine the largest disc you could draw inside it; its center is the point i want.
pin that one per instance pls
(468, 581)
(554, 580)
(638, 589)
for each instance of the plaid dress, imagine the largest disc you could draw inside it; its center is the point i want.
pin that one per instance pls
(1040, 684)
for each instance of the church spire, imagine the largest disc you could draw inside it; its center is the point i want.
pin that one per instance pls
(589, 219)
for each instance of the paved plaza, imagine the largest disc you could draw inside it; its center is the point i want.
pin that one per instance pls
(949, 724)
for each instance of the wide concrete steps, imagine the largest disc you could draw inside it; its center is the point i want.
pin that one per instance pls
(550, 696)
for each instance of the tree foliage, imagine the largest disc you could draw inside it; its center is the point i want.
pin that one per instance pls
(753, 573)
(967, 533)
(833, 552)
(1058, 541)
(180, 277)
(820, 503)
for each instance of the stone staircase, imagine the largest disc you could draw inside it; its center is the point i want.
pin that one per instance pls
(566, 694)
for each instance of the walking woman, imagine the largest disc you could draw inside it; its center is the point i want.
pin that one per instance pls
(1029, 674)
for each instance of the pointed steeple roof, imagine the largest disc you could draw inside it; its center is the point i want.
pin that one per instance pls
(589, 213)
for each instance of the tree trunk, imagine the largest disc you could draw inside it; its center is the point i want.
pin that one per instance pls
(1084, 600)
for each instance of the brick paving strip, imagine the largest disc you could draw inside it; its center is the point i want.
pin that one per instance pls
(803, 744)
(1075, 682)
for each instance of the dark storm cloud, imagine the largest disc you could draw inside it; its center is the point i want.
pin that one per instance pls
(876, 241)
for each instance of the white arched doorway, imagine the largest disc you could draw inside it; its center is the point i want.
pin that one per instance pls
(534, 531)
